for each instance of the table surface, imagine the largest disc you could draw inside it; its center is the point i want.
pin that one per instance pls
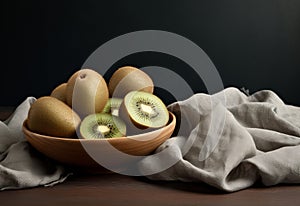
(115, 189)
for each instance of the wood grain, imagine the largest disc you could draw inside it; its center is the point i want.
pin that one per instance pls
(114, 189)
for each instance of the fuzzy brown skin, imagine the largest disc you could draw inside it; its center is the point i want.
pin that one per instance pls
(87, 92)
(127, 79)
(60, 92)
(52, 117)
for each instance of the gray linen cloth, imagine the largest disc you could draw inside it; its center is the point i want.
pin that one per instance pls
(20, 165)
(259, 140)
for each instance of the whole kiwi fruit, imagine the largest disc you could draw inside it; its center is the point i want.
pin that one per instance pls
(60, 92)
(127, 79)
(102, 125)
(87, 92)
(50, 116)
(142, 111)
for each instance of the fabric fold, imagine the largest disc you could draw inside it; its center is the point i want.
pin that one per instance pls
(21, 166)
(228, 140)
(257, 141)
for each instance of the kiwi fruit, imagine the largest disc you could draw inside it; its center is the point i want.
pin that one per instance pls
(50, 116)
(60, 92)
(144, 110)
(112, 106)
(87, 92)
(101, 125)
(127, 79)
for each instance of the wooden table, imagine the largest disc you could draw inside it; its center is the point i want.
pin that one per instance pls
(115, 189)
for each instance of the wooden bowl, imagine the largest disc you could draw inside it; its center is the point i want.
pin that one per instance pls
(73, 152)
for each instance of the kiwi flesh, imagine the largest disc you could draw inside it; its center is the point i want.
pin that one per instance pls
(101, 125)
(112, 106)
(144, 110)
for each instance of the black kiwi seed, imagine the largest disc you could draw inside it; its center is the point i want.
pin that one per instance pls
(101, 125)
(146, 109)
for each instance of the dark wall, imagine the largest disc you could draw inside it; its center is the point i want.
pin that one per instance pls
(253, 43)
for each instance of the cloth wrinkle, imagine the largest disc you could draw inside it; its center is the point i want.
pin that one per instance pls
(260, 141)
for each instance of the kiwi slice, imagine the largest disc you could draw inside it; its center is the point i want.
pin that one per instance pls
(112, 106)
(145, 109)
(101, 125)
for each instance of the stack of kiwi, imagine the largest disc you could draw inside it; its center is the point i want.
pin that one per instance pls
(86, 103)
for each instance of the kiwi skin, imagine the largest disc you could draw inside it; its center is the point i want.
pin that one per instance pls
(90, 94)
(127, 79)
(60, 92)
(50, 116)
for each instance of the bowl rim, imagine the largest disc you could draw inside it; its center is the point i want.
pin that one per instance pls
(172, 121)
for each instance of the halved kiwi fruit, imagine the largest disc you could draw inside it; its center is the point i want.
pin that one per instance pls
(112, 106)
(145, 110)
(101, 125)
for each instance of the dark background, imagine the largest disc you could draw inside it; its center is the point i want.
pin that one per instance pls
(253, 43)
